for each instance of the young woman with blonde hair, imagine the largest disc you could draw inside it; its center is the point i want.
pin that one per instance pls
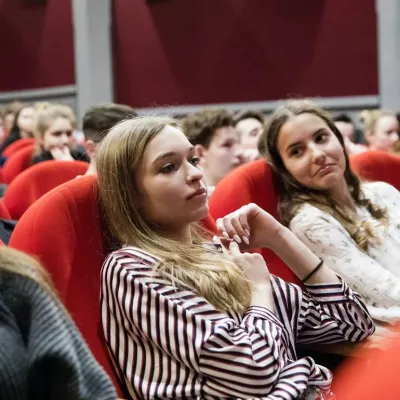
(42, 354)
(186, 318)
(54, 125)
(381, 129)
(353, 226)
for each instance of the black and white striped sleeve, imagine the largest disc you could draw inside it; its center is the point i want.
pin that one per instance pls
(332, 313)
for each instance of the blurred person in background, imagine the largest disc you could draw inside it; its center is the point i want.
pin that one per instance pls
(216, 142)
(346, 127)
(97, 122)
(249, 125)
(22, 127)
(10, 112)
(381, 129)
(53, 129)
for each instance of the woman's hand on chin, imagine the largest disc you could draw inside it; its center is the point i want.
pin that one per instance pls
(251, 227)
(61, 153)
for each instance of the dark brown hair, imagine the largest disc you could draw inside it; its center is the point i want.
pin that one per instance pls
(200, 127)
(241, 115)
(99, 119)
(292, 195)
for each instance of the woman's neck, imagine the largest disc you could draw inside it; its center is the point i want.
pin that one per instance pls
(182, 235)
(342, 195)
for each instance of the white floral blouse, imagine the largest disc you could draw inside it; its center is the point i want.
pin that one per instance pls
(374, 274)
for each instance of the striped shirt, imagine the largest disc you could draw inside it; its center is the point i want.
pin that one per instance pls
(168, 342)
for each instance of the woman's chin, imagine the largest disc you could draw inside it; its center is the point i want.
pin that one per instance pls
(200, 213)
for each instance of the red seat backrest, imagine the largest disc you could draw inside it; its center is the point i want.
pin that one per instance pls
(251, 183)
(37, 180)
(65, 230)
(4, 213)
(18, 162)
(17, 145)
(377, 165)
(1, 176)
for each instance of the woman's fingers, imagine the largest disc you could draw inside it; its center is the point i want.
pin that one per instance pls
(235, 226)
(234, 249)
(225, 226)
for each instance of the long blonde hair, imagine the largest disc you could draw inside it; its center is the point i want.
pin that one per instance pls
(293, 195)
(199, 268)
(45, 115)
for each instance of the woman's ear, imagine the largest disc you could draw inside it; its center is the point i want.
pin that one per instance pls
(200, 150)
(90, 147)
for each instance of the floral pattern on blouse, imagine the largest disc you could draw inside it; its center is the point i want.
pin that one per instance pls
(374, 274)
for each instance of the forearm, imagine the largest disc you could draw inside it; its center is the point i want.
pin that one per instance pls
(300, 259)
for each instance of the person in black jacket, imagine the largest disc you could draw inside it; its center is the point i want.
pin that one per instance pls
(42, 353)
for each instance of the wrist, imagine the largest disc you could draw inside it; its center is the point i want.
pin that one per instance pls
(278, 238)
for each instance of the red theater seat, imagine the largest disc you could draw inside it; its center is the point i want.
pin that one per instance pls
(377, 166)
(37, 180)
(64, 229)
(251, 183)
(17, 145)
(4, 214)
(18, 162)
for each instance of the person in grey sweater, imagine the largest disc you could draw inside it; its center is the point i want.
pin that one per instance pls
(42, 354)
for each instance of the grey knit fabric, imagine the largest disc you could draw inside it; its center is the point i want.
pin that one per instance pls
(42, 354)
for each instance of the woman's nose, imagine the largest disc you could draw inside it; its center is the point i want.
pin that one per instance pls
(194, 173)
(318, 155)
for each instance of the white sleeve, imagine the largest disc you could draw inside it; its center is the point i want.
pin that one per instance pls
(324, 235)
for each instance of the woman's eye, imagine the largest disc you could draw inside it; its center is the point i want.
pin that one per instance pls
(168, 169)
(321, 137)
(295, 152)
(195, 160)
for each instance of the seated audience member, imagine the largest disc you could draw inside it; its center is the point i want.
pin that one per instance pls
(22, 126)
(96, 124)
(346, 127)
(53, 129)
(216, 143)
(353, 226)
(10, 112)
(381, 129)
(249, 125)
(204, 321)
(42, 353)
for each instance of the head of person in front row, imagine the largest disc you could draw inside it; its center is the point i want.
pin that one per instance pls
(53, 128)
(169, 285)
(324, 203)
(96, 124)
(42, 353)
(216, 143)
(22, 126)
(381, 129)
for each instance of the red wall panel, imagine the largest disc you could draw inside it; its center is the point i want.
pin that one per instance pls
(36, 44)
(209, 51)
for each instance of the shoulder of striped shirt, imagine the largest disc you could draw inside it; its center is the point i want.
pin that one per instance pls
(136, 254)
